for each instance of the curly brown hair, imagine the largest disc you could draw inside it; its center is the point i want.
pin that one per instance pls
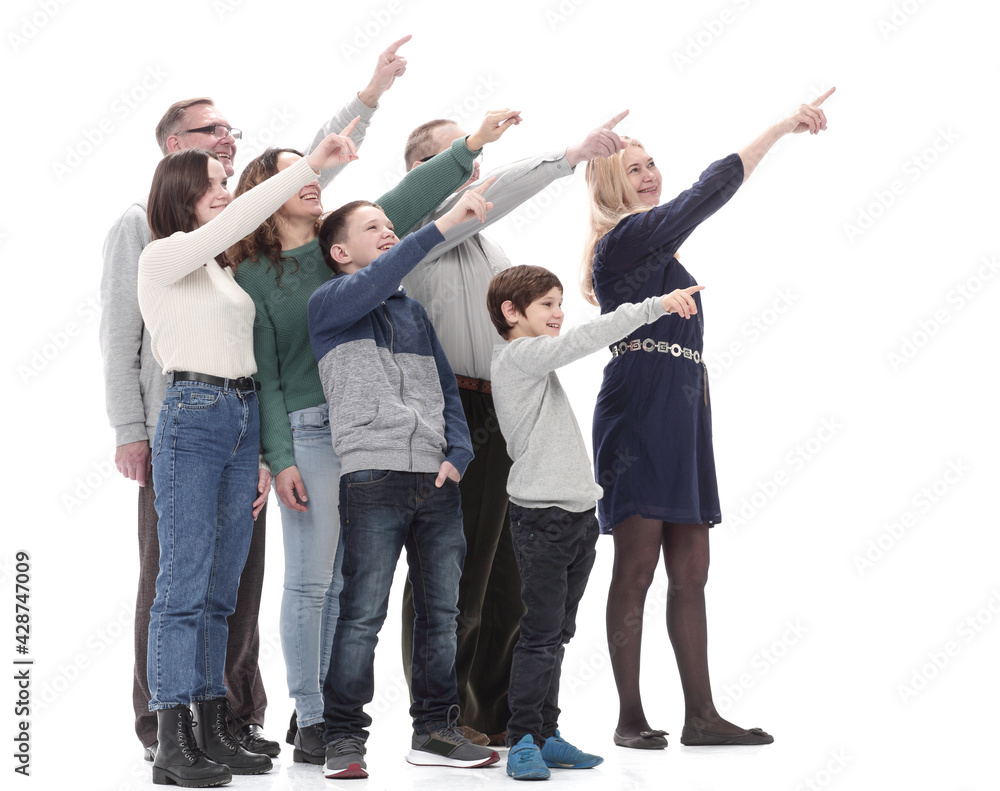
(264, 241)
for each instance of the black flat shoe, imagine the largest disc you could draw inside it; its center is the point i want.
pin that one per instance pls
(693, 737)
(646, 740)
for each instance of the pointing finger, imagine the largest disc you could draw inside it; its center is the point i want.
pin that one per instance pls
(485, 185)
(611, 124)
(823, 98)
(350, 127)
(397, 44)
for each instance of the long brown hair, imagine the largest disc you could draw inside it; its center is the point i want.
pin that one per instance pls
(612, 198)
(179, 182)
(265, 241)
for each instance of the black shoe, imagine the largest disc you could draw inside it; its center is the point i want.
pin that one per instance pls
(216, 731)
(149, 753)
(254, 741)
(179, 759)
(293, 726)
(309, 746)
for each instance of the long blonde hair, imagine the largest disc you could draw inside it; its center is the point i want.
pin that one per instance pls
(612, 197)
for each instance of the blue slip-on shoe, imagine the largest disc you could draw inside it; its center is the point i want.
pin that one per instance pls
(524, 761)
(559, 754)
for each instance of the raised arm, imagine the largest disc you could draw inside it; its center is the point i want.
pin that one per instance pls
(424, 187)
(166, 261)
(388, 67)
(343, 300)
(539, 355)
(520, 181)
(664, 228)
(809, 117)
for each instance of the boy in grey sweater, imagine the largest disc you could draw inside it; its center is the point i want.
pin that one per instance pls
(552, 519)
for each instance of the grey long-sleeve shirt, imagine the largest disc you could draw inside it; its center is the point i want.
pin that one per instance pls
(551, 465)
(133, 384)
(451, 283)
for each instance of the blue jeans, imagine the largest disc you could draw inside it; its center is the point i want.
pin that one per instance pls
(555, 552)
(380, 513)
(310, 603)
(205, 475)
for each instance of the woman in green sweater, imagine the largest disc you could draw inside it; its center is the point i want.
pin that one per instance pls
(280, 266)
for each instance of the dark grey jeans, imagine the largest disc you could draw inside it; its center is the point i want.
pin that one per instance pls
(555, 551)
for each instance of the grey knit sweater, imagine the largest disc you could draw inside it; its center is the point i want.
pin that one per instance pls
(551, 465)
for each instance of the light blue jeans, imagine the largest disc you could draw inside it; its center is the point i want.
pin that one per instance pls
(205, 457)
(310, 603)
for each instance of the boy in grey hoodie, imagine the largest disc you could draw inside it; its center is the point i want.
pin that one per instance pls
(401, 436)
(552, 519)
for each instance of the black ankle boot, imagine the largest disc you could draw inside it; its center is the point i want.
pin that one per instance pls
(179, 759)
(216, 734)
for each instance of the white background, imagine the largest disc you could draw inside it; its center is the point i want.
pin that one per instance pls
(814, 635)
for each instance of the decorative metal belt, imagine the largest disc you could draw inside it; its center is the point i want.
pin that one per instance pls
(649, 345)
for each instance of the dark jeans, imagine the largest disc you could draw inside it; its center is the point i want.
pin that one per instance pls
(381, 512)
(489, 593)
(243, 681)
(555, 552)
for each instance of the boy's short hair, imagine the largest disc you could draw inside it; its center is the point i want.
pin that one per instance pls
(522, 285)
(333, 229)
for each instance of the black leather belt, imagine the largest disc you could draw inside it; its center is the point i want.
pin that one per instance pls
(243, 383)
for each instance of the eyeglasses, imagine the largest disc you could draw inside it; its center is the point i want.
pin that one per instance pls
(217, 130)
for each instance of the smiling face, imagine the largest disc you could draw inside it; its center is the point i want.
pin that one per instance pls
(306, 204)
(543, 316)
(216, 197)
(369, 234)
(198, 116)
(642, 174)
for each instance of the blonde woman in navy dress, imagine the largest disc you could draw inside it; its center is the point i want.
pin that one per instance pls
(653, 424)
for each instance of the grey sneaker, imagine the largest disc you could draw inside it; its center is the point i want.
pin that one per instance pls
(345, 759)
(448, 747)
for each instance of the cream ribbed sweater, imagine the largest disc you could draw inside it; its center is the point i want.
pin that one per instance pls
(198, 318)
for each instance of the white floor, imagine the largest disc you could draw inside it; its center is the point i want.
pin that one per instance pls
(852, 314)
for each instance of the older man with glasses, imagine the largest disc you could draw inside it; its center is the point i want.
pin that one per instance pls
(135, 388)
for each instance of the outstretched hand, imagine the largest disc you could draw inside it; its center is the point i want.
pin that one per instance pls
(600, 142)
(334, 149)
(492, 128)
(809, 116)
(681, 302)
(388, 67)
(470, 205)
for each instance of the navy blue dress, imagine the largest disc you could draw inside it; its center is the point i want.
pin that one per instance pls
(653, 421)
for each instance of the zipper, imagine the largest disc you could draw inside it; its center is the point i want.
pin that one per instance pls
(392, 352)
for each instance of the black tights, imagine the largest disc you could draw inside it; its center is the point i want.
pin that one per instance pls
(638, 543)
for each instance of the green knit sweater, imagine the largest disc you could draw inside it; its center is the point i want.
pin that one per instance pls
(286, 366)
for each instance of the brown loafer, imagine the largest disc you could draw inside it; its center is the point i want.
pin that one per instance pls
(646, 740)
(474, 736)
(693, 737)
